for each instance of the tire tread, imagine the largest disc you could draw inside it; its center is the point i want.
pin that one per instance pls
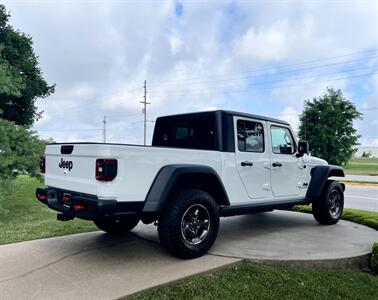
(170, 219)
(320, 209)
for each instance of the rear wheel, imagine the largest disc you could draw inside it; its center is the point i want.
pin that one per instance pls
(189, 223)
(116, 226)
(329, 207)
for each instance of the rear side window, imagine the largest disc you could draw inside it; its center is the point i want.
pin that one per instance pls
(282, 140)
(250, 136)
(197, 132)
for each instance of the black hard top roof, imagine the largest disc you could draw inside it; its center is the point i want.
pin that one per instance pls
(229, 112)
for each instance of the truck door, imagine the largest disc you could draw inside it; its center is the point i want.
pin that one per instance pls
(252, 157)
(286, 168)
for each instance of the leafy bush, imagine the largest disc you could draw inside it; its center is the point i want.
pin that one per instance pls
(20, 149)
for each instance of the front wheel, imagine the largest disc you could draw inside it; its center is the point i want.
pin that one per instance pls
(329, 207)
(116, 226)
(189, 223)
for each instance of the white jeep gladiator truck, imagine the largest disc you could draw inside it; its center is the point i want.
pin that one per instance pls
(200, 167)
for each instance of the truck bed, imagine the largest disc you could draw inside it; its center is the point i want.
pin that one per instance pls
(137, 167)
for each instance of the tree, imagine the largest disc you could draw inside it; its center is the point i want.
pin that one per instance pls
(21, 80)
(10, 84)
(327, 124)
(20, 149)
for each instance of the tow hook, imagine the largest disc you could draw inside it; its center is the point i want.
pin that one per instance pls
(64, 217)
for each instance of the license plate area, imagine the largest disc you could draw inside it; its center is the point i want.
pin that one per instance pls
(64, 198)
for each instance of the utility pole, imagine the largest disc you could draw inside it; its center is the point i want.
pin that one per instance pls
(104, 130)
(144, 110)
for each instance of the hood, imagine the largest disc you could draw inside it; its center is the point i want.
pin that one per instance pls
(315, 160)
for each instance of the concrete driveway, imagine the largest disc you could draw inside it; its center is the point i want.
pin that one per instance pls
(92, 266)
(98, 266)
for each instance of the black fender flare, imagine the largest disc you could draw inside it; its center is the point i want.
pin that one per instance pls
(319, 176)
(168, 176)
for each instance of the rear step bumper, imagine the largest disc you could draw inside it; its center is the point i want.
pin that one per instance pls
(85, 206)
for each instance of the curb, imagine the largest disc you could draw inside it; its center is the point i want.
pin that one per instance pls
(356, 263)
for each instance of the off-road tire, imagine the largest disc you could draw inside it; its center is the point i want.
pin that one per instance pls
(323, 208)
(176, 213)
(116, 226)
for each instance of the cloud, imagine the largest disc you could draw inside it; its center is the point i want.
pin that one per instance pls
(290, 115)
(276, 42)
(194, 56)
(175, 42)
(368, 127)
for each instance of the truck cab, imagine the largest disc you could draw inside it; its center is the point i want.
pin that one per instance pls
(201, 166)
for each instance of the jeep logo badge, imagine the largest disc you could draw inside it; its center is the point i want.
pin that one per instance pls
(66, 164)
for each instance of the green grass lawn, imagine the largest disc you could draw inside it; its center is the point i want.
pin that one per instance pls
(250, 281)
(24, 218)
(366, 166)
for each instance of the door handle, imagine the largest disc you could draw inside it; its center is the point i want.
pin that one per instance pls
(276, 164)
(246, 163)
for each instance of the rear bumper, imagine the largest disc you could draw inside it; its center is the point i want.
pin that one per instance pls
(88, 207)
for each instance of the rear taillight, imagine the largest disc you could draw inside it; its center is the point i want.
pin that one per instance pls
(42, 164)
(41, 195)
(106, 169)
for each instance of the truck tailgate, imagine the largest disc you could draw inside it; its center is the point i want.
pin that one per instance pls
(74, 170)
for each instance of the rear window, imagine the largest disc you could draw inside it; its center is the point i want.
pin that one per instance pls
(193, 132)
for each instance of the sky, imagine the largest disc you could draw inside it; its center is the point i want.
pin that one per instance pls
(260, 57)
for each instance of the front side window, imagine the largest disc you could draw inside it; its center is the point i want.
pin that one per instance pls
(282, 140)
(250, 136)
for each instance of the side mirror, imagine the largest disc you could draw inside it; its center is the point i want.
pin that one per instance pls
(302, 148)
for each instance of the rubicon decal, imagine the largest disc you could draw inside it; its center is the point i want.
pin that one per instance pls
(66, 164)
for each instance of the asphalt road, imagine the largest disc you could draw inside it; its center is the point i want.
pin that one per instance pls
(361, 197)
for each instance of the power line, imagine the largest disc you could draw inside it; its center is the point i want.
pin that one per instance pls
(266, 73)
(274, 81)
(65, 130)
(271, 81)
(272, 69)
(137, 124)
(237, 89)
(94, 100)
(188, 80)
